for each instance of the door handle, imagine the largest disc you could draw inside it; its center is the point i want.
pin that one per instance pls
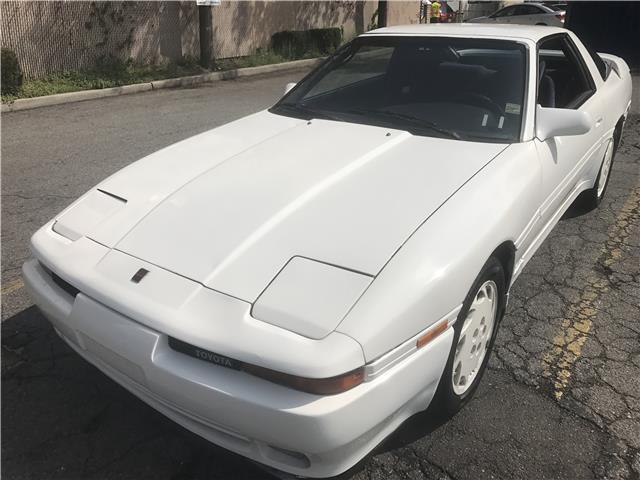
(598, 122)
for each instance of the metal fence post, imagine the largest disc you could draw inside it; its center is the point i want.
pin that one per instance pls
(382, 13)
(206, 36)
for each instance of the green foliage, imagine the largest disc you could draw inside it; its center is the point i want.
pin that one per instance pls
(261, 57)
(109, 72)
(110, 66)
(297, 43)
(11, 72)
(188, 61)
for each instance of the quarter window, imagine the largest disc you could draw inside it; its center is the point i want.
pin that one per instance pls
(563, 81)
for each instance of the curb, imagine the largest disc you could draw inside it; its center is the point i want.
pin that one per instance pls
(80, 96)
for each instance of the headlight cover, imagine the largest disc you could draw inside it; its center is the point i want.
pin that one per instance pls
(310, 298)
(94, 207)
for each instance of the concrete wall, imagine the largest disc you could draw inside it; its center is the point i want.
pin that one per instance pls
(56, 36)
(239, 28)
(402, 12)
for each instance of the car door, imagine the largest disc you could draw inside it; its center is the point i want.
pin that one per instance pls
(564, 81)
(522, 14)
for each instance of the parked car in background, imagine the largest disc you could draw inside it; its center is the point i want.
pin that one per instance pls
(558, 7)
(525, 14)
(294, 285)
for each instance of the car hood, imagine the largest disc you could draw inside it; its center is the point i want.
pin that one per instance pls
(230, 207)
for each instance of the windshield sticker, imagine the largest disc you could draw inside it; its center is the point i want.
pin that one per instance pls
(512, 108)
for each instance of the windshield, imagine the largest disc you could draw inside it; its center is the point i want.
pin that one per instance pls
(468, 89)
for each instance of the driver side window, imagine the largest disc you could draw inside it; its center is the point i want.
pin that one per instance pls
(528, 10)
(563, 81)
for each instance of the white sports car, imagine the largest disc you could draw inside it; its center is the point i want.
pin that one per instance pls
(292, 286)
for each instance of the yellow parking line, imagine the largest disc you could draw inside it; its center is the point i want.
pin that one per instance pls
(12, 286)
(568, 343)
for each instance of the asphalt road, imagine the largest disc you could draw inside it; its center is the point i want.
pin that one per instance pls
(561, 399)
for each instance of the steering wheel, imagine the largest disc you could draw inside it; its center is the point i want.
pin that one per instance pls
(480, 101)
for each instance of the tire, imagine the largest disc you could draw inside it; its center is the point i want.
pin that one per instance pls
(452, 393)
(593, 197)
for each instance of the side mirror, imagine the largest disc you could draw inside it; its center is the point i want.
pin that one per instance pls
(288, 87)
(557, 122)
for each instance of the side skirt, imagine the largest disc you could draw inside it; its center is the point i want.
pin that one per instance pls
(546, 230)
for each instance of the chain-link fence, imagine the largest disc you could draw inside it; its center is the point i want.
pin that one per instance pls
(66, 35)
(57, 36)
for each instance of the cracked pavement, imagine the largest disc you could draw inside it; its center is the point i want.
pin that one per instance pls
(560, 400)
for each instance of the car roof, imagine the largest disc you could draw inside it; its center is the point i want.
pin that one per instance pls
(522, 32)
(537, 4)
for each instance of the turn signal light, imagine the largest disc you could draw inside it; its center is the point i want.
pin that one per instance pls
(432, 334)
(317, 386)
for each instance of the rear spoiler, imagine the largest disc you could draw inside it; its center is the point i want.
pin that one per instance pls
(615, 63)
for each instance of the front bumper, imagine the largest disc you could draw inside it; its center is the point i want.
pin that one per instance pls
(293, 431)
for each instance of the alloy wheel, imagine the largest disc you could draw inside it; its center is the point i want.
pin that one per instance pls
(605, 169)
(475, 337)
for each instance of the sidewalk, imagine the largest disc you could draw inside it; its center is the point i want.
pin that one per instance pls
(79, 96)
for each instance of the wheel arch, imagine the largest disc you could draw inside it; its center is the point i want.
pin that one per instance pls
(506, 254)
(617, 131)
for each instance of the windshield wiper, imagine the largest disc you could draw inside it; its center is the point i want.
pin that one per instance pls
(488, 138)
(418, 122)
(305, 111)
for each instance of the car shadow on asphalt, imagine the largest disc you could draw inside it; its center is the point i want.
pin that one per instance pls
(578, 208)
(413, 429)
(62, 414)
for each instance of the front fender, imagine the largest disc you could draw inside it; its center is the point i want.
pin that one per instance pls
(430, 275)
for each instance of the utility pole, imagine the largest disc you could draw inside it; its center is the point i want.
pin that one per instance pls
(206, 36)
(382, 13)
